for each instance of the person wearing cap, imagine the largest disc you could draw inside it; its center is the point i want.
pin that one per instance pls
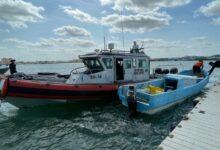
(198, 66)
(12, 67)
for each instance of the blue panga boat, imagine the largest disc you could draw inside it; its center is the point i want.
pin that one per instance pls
(156, 95)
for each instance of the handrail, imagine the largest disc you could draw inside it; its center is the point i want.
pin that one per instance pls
(118, 51)
(75, 69)
(169, 65)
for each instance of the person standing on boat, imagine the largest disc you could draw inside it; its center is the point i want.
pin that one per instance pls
(197, 68)
(12, 67)
(135, 48)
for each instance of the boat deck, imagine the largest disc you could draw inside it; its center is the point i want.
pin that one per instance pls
(200, 129)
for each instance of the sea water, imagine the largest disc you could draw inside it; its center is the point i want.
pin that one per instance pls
(99, 126)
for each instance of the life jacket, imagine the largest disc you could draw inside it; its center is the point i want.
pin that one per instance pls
(199, 64)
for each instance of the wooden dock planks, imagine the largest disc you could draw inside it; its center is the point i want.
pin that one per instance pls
(202, 130)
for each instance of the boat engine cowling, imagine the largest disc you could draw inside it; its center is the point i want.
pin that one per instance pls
(3, 87)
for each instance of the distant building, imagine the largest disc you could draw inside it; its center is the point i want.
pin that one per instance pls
(6, 61)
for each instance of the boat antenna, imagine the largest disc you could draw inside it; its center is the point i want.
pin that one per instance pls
(104, 43)
(142, 46)
(105, 38)
(122, 27)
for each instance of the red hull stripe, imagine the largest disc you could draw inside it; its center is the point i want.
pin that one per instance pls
(59, 94)
(57, 86)
(70, 98)
(5, 88)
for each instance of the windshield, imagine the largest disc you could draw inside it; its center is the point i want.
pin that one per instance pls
(107, 62)
(93, 64)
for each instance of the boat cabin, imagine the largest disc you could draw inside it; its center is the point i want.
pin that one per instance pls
(111, 67)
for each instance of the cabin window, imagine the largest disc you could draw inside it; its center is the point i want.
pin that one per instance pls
(134, 63)
(142, 63)
(127, 64)
(107, 62)
(93, 65)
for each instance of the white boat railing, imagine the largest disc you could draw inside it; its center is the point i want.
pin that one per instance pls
(114, 51)
(78, 70)
(170, 65)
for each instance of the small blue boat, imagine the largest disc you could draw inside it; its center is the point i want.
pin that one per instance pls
(154, 96)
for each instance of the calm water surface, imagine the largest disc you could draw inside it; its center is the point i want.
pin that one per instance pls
(100, 126)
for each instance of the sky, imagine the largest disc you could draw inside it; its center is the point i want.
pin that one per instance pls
(32, 30)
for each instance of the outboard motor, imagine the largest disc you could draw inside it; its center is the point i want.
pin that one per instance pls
(214, 65)
(165, 71)
(158, 71)
(173, 70)
(132, 103)
(3, 87)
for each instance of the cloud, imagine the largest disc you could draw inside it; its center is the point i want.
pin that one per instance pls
(197, 46)
(17, 13)
(199, 39)
(104, 12)
(2, 48)
(71, 42)
(181, 21)
(216, 21)
(5, 30)
(26, 44)
(79, 15)
(144, 15)
(143, 5)
(138, 23)
(72, 31)
(45, 48)
(212, 9)
(51, 43)
(106, 2)
(160, 48)
(156, 44)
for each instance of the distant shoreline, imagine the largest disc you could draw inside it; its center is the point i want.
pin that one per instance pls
(49, 62)
(186, 58)
(60, 62)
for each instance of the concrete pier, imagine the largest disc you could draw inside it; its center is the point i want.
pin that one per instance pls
(201, 127)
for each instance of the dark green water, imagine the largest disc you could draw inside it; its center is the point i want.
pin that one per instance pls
(101, 126)
(91, 127)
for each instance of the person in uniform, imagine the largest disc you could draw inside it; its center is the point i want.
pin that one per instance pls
(12, 67)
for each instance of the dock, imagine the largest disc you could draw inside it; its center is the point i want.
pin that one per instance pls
(200, 129)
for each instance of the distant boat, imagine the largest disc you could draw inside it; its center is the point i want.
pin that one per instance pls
(156, 95)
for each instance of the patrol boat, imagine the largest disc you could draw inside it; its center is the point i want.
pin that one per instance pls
(103, 73)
